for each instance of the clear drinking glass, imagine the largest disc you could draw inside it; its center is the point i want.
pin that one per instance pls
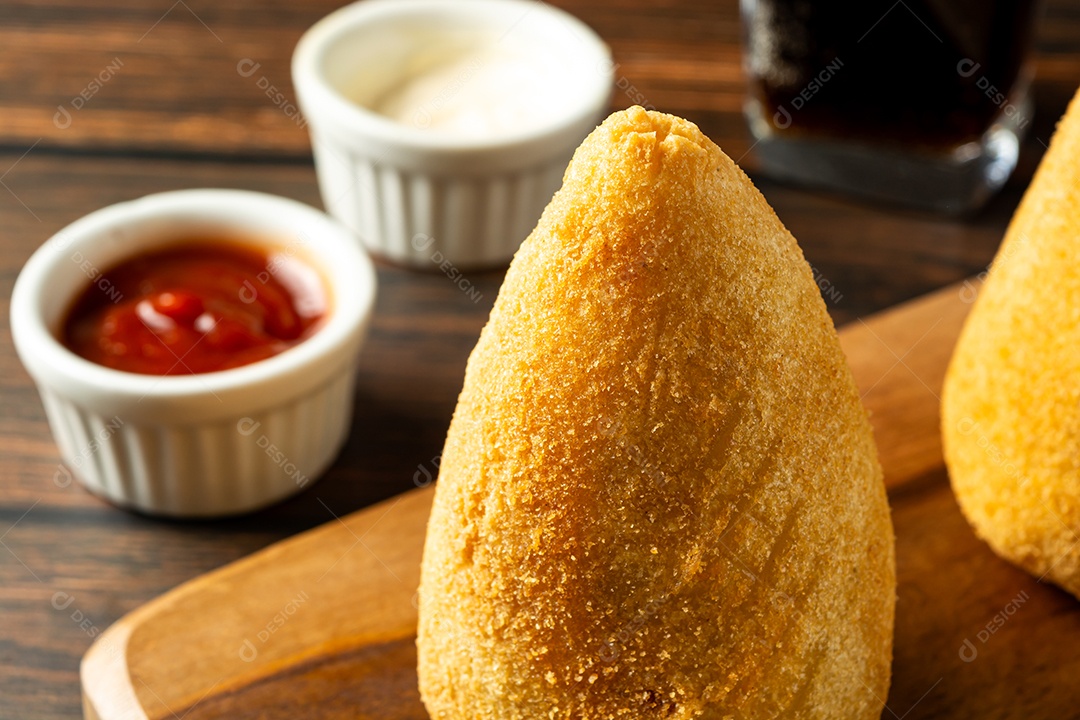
(917, 102)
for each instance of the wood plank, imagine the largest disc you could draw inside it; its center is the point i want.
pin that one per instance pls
(177, 88)
(266, 624)
(900, 356)
(327, 618)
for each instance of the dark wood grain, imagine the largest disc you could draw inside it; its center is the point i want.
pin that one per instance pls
(176, 113)
(379, 679)
(177, 89)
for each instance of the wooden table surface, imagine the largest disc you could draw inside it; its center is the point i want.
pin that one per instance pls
(102, 102)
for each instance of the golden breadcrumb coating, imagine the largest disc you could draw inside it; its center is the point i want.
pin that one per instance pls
(1011, 407)
(659, 495)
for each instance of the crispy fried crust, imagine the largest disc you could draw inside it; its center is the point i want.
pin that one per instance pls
(659, 495)
(1011, 407)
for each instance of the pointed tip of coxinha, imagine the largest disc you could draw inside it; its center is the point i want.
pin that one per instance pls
(1011, 407)
(651, 172)
(652, 210)
(659, 494)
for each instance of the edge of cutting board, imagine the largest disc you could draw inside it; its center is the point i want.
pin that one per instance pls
(334, 607)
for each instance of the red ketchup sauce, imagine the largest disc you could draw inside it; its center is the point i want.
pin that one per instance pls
(195, 307)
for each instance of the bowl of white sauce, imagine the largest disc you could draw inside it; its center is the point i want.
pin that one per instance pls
(441, 129)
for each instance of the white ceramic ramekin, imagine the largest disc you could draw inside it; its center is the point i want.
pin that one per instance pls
(208, 444)
(420, 197)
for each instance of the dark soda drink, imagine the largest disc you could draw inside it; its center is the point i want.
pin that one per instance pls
(923, 75)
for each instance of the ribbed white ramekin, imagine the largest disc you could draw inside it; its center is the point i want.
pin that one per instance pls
(207, 444)
(419, 197)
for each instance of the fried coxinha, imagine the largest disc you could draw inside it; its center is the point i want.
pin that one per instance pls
(1011, 404)
(659, 495)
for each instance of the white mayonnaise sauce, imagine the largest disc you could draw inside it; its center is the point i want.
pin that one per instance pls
(496, 89)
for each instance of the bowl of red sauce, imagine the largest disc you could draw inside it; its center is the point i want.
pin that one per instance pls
(196, 350)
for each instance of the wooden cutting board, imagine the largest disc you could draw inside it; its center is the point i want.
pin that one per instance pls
(322, 625)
